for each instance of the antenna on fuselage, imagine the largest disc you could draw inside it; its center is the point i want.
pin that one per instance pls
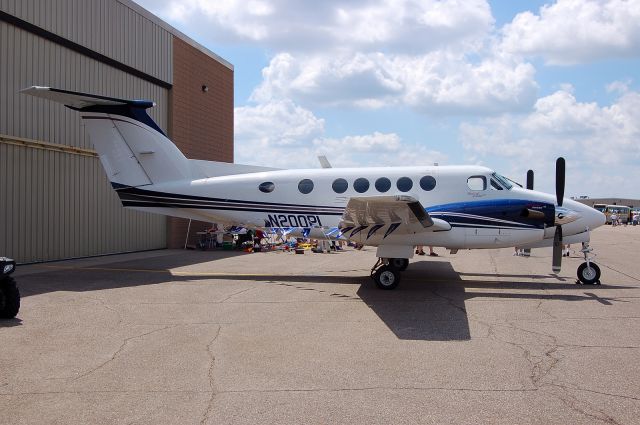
(324, 162)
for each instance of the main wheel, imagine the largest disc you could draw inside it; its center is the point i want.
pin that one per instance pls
(589, 274)
(9, 299)
(399, 263)
(387, 277)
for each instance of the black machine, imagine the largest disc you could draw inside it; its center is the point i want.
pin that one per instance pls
(9, 293)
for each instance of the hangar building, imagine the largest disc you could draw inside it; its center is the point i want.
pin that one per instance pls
(55, 200)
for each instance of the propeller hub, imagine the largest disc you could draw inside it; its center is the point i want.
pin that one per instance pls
(565, 215)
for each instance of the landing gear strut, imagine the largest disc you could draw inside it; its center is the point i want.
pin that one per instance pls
(399, 263)
(385, 275)
(588, 272)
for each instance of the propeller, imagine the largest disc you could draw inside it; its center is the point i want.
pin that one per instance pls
(531, 213)
(530, 179)
(557, 238)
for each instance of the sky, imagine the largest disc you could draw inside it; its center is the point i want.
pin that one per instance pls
(510, 85)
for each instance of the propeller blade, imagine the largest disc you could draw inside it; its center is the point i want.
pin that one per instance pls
(557, 250)
(530, 179)
(560, 180)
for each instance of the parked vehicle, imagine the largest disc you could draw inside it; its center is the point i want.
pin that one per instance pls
(622, 211)
(9, 293)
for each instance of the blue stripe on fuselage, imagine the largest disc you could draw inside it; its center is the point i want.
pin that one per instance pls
(494, 212)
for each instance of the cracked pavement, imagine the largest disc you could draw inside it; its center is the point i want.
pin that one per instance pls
(190, 337)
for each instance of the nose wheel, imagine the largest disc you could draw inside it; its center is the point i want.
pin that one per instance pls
(588, 272)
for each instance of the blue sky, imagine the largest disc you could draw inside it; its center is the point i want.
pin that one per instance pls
(509, 85)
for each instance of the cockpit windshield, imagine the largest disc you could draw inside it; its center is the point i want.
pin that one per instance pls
(501, 180)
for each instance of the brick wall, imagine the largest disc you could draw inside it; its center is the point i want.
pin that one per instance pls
(200, 123)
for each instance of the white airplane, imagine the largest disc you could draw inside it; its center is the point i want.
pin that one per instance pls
(392, 208)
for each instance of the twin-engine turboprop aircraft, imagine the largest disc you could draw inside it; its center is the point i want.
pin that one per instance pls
(394, 208)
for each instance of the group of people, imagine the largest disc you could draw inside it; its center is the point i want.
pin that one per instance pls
(616, 220)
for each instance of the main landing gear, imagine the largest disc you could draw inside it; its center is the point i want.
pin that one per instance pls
(386, 272)
(588, 272)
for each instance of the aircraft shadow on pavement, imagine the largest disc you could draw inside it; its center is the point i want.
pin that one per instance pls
(428, 305)
(119, 274)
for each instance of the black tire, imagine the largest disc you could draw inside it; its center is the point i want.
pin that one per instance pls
(589, 274)
(9, 299)
(399, 263)
(387, 277)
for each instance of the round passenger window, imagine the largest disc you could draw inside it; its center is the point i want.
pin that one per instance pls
(427, 183)
(340, 185)
(305, 186)
(404, 184)
(361, 185)
(267, 187)
(383, 184)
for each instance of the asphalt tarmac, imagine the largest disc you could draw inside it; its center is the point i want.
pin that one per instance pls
(186, 337)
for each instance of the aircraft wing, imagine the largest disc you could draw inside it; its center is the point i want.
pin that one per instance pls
(391, 209)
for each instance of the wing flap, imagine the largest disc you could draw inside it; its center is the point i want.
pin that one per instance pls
(400, 210)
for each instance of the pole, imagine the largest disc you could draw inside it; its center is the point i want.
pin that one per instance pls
(186, 239)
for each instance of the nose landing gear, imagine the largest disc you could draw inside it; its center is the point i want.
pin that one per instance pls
(588, 272)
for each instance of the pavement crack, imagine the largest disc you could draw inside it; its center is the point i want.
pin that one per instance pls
(375, 388)
(210, 374)
(237, 293)
(120, 349)
(573, 403)
(450, 301)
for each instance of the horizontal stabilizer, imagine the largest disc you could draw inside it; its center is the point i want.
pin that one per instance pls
(79, 100)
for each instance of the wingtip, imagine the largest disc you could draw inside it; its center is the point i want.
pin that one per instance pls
(34, 89)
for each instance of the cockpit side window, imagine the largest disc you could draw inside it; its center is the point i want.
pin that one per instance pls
(495, 185)
(477, 183)
(504, 182)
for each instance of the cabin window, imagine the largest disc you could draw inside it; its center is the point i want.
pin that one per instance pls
(427, 183)
(340, 185)
(477, 183)
(267, 187)
(383, 184)
(361, 185)
(404, 184)
(305, 186)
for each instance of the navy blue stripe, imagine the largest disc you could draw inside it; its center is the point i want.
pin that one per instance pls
(122, 190)
(136, 113)
(207, 207)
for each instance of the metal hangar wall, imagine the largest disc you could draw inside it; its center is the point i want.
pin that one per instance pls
(55, 200)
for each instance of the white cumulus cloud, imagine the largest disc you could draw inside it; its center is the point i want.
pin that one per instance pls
(283, 134)
(601, 143)
(291, 25)
(577, 31)
(437, 83)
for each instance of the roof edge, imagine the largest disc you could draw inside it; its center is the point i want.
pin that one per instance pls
(177, 33)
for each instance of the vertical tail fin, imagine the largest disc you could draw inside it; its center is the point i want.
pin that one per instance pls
(132, 148)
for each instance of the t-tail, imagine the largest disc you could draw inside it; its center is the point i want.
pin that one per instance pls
(132, 148)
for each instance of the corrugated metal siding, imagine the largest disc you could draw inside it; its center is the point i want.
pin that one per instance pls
(49, 213)
(58, 205)
(27, 60)
(105, 26)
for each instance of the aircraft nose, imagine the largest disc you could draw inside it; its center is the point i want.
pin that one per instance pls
(596, 218)
(591, 217)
